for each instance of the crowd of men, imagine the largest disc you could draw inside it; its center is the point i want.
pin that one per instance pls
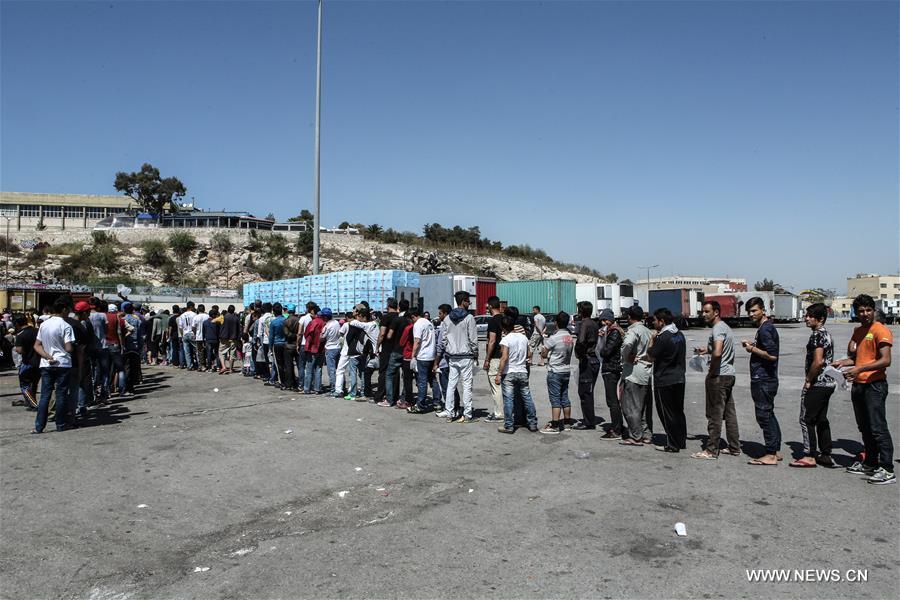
(91, 352)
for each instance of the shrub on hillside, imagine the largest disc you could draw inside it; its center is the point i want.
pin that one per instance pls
(182, 244)
(155, 253)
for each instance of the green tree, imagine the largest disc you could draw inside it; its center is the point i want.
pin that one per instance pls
(304, 215)
(344, 225)
(373, 231)
(766, 285)
(182, 244)
(103, 238)
(155, 253)
(152, 193)
(305, 242)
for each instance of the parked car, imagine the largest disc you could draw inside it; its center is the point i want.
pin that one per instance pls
(481, 323)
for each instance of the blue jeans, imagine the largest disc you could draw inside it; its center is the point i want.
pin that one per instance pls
(187, 351)
(53, 378)
(312, 378)
(302, 359)
(395, 362)
(511, 383)
(331, 360)
(423, 373)
(558, 388)
(763, 393)
(101, 372)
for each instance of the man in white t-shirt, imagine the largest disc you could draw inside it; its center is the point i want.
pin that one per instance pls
(54, 344)
(513, 375)
(423, 353)
(331, 338)
(186, 335)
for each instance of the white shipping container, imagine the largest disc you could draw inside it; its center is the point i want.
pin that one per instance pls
(614, 296)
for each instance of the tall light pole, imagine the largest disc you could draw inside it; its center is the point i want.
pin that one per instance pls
(316, 219)
(648, 274)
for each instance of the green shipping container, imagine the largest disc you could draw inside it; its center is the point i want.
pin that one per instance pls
(552, 295)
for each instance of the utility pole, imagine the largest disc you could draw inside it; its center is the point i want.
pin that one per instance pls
(316, 219)
(648, 274)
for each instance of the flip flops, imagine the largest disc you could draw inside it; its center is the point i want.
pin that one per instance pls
(758, 462)
(801, 464)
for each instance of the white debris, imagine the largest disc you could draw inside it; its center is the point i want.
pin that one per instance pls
(288, 513)
(142, 506)
(680, 529)
(243, 551)
(289, 431)
(201, 569)
(471, 490)
(215, 389)
(360, 420)
(357, 469)
(343, 493)
(579, 454)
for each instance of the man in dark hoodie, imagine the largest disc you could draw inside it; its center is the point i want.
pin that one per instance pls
(588, 365)
(611, 371)
(461, 349)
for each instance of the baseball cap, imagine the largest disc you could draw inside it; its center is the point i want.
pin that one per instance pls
(112, 308)
(290, 307)
(325, 312)
(124, 304)
(82, 306)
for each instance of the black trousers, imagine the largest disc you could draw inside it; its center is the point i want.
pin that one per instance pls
(408, 377)
(132, 370)
(670, 406)
(611, 391)
(285, 375)
(587, 378)
(815, 418)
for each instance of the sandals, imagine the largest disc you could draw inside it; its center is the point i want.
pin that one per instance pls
(802, 464)
(730, 452)
(758, 462)
(631, 443)
(704, 455)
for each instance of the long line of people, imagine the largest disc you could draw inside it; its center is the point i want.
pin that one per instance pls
(89, 352)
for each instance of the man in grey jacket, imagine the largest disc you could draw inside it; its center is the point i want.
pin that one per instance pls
(460, 338)
(636, 372)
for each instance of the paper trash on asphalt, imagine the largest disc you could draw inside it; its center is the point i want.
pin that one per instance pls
(343, 493)
(680, 529)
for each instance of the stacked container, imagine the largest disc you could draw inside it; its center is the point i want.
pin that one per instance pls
(552, 295)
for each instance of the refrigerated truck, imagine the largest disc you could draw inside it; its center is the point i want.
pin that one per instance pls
(787, 309)
(614, 296)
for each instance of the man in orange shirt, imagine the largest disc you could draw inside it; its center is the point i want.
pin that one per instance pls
(870, 356)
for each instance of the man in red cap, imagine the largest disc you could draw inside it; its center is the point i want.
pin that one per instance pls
(89, 360)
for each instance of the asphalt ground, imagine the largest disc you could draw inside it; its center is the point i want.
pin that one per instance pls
(188, 492)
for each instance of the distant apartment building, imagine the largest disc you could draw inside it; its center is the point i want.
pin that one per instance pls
(880, 287)
(60, 211)
(716, 285)
(24, 210)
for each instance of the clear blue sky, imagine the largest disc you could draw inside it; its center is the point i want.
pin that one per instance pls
(739, 138)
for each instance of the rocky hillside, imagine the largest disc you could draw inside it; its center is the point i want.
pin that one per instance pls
(229, 258)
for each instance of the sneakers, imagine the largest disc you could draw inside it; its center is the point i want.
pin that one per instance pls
(580, 426)
(550, 429)
(415, 410)
(492, 418)
(882, 477)
(402, 405)
(383, 404)
(859, 468)
(444, 414)
(504, 429)
(611, 436)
